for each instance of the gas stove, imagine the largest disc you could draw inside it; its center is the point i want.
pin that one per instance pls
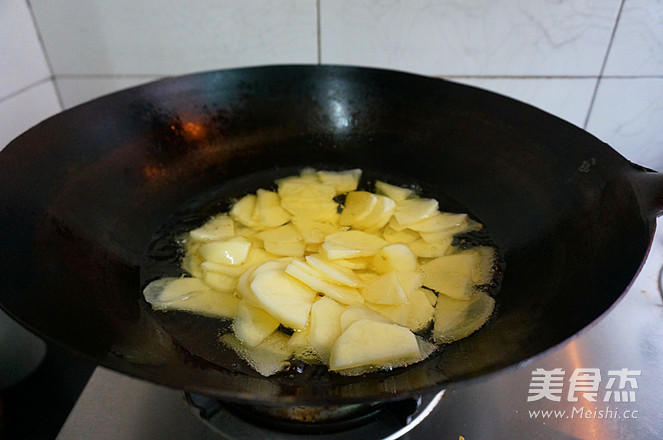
(605, 382)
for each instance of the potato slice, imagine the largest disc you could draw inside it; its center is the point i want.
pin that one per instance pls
(404, 236)
(359, 263)
(313, 231)
(351, 244)
(343, 181)
(372, 343)
(484, 257)
(395, 193)
(415, 314)
(244, 290)
(252, 325)
(267, 358)
(356, 312)
(385, 289)
(455, 319)
(451, 275)
(358, 205)
(379, 215)
(190, 295)
(269, 213)
(411, 211)
(314, 279)
(242, 211)
(333, 271)
(410, 281)
(192, 262)
(218, 228)
(310, 199)
(433, 238)
(284, 240)
(325, 326)
(232, 251)
(255, 257)
(423, 249)
(395, 257)
(283, 297)
(221, 282)
(439, 221)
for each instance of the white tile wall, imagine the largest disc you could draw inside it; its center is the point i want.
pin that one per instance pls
(27, 93)
(21, 58)
(21, 111)
(157, 37)
(475, 37)
(638, 45)
(628, 114)
(595, 63)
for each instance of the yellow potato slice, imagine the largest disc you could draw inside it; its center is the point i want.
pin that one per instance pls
(217, 228)
(221, 282)
(371, 343)
(325, 326)
(313, 231)
(385, 289)
(267, 358)
(256, 256)
(343, 181)
(232, 251)
(395, 257)
(252, 325)
(333, 271)
(269, 213)
(439, 221)
(359, 263)
(404, 236)
(190, 295)
(436, 237)
(283, 240)
(310, 199)
(422, 249)
(455, 319)
(283, 297)
(351, 244)
(356, 312)
(379, 215)
(451, 275)
(192, 262)
(411, 211)
(410, 281)
(358, 205)
(415, 314)
(313, 279)
(394, 192)
(242, 211)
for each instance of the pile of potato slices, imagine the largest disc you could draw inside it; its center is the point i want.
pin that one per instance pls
(320, 271)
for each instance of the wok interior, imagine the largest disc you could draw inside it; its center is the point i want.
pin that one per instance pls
(98, 181)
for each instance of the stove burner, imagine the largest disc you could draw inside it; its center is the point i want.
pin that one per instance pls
(381, 421)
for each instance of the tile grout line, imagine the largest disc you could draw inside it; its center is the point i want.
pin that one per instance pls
(25, 89)
(45, 54)
(605, 62)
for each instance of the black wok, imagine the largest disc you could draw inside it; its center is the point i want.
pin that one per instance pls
(84, 193)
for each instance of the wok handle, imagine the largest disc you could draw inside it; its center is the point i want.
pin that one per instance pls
(648, 185)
